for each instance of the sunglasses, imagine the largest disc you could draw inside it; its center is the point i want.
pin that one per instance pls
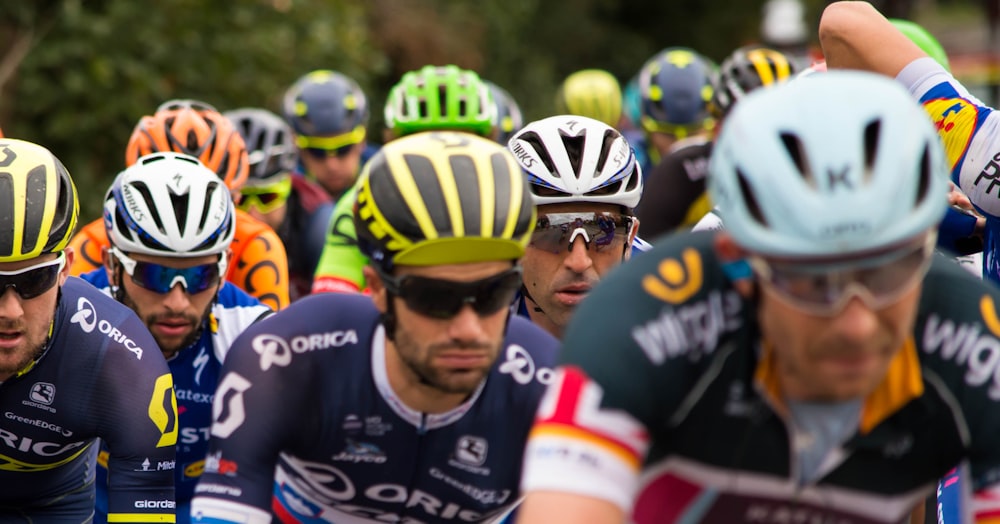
(824, 292)
(602, 232)
(339, 146)
(33, 281)
(161, 279)
(443, 299)
(678, 131)
(266, 198)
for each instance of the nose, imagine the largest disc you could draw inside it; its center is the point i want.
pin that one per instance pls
(176, 299)
(857, 322)
(466, 325)
(10, 304)
(578, 258)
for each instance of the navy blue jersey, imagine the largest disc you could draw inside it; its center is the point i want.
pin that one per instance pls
(195, 372)
(310, 384)
(102, 376)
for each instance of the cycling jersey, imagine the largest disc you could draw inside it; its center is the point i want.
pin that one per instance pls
(311, 384)
(970, 132)
(672, 409)
(341, 263)
(259, 265)
(195, 371)
(674, 195)
(303, 232)
(101, 376)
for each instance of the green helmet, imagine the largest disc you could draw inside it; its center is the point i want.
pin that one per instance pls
(924, 40)
(441, 98)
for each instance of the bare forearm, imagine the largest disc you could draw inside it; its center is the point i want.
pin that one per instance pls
(854, 35)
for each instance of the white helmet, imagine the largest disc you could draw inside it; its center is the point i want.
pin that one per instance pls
(571, 158)
(171, 205)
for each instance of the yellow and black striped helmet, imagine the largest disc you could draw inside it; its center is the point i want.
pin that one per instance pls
(443, 198)
(38, 202)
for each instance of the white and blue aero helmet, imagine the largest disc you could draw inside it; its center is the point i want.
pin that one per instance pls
(570, 158)
(837, 164)
(170, 205)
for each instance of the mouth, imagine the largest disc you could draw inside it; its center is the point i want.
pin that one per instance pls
(469, 359)
(10, 339)
(573, 294)
(172, 328)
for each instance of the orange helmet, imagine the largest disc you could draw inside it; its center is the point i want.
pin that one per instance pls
(193, 128)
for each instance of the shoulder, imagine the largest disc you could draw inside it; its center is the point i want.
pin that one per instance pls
(97, 278)
(309, 194)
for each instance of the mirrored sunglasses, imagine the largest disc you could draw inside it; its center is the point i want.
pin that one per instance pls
(602, 232)
(161, 279)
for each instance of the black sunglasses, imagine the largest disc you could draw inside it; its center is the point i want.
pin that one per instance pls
(443, 299)
(320, 153)
(33, 281)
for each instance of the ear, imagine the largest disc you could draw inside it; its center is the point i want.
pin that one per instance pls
(378, 292)
(631, 237)
(70, 254)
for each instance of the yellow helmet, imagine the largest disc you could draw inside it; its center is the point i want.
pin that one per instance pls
(443, 198)
(39, 203)
(593, 93)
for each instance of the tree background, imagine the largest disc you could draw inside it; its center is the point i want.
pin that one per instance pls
(76, 75)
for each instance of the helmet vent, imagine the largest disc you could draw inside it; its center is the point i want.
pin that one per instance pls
(33, 219)
(203, 219)
(871, 147)
(925, 175)
(180, 205)
(795, 150)
(609, 140)
(574, 149)
(147, 197)
(535, 141)
(748, 197)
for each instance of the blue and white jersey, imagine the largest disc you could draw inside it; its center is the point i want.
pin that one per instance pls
(195, 372)
(309, 427)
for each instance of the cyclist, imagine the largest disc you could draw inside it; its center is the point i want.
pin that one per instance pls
(674, 89)
(827, 390)
(75, 366)
(675, 190)
(171, 221)
(509, 119)
(194, 128)
(592, 93)
(585, 181)
(414, 104)
(293, 206)
(411, 405)
(328, 112)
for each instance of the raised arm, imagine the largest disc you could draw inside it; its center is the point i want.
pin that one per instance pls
(854, 35)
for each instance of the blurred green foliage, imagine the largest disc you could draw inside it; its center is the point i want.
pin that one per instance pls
(76, 75)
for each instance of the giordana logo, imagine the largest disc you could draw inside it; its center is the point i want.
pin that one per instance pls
(275, 350)
(86, 317)
(471, 450)
(43, 393)
(521, 367)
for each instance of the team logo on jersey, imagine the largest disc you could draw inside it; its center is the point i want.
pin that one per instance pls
(86, 318)
(470, 455)
(521, 367)
(275, 350)
(955, 119)
(361, 452)
(967, 345)
(676, 281)
(43, 393)
(352, 424)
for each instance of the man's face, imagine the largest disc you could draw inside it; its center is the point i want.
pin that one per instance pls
(335, 170)
(558, 281)
(842, 354)
(24, 323)
(451, 355)
(174, 317)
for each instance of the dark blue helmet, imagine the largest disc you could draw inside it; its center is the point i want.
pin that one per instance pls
(325, 103)
(675, 88)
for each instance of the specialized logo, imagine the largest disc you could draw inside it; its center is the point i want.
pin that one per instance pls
(86, 318)
(966, 345)
(675, 281)
(230, 413)
(521, 367)
(275, 350)
(955, 119)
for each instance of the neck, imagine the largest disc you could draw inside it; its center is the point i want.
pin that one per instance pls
(413, 391)
(540, 319)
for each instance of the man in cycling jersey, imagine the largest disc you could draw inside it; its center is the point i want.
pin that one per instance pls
(295, 207)
(584, 178)
(260, 266)
(75, 366)
(850, 370)
(171, 222)
(466, 105)
(411, 405)
(856, 36)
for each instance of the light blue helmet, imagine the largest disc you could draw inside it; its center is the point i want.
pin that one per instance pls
(843, 163)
